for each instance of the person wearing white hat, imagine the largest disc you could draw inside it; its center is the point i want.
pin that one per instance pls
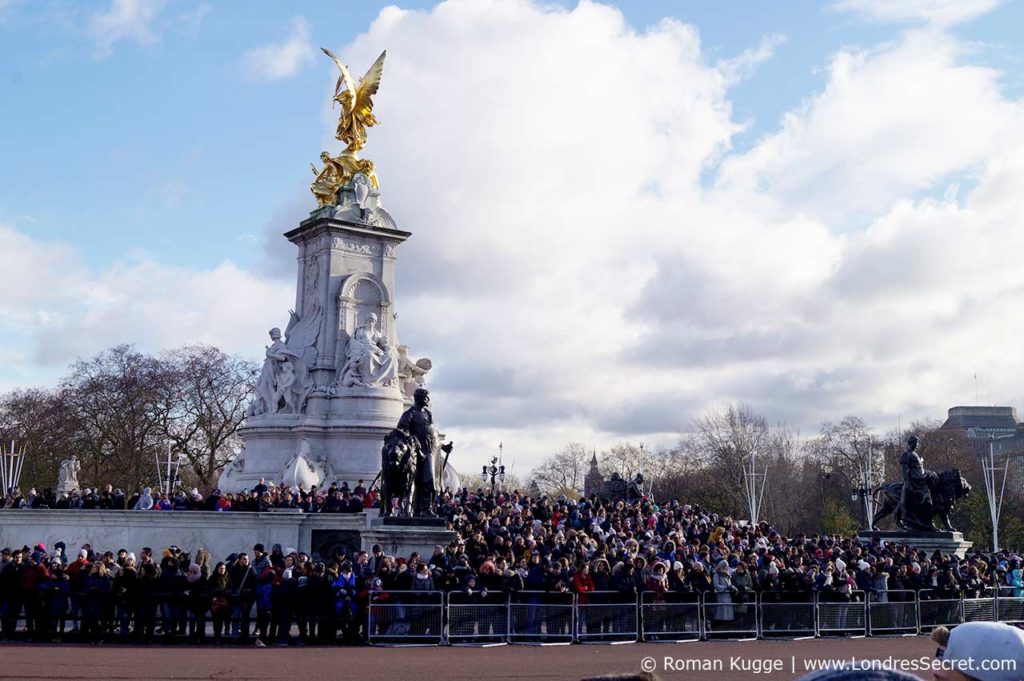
(983, 651)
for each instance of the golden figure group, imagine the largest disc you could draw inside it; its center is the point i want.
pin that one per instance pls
(355, 117)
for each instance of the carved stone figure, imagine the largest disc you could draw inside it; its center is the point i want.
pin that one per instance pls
(232, 471)
(67, 475)
(301, 471)
(411, 375)
(369, 358)
(285, 383)
(418, 421)
(949, 487)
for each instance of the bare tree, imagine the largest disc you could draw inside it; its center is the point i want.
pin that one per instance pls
(628, 459)
(38, 421)
(565, 470)
(202, 405)
(115, 398)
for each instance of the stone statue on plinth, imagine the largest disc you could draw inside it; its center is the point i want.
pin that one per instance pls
(370, 360)
(411, 375)
(285, 383)
(67, 475)
(418, 421)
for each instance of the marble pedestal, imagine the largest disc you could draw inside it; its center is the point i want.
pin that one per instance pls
(346, 277)
(947, 542)
(219, 533)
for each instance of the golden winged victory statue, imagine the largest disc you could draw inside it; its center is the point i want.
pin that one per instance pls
(356, 116)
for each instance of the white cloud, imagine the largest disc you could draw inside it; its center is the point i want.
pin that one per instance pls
(569, 267)
(891, 121)
(128, 20)
(277, 61)
(144, 302)
(575, 276)
(938, 12)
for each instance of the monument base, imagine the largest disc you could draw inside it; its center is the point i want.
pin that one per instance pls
(223, 533)
(945, 542)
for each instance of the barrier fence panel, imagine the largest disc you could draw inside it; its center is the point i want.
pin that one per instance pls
(541, 617)
(980, 609)
(787, 614)
(892, 612)
(1010, 605)
(842, 616)
(725, 618)
(606, 616)
(937, 609)
(670, 616)
(477, 617)
(405, 617)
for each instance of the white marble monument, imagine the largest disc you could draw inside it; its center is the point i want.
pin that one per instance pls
(337, 380)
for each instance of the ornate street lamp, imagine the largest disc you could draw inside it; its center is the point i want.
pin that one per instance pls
(496, 471)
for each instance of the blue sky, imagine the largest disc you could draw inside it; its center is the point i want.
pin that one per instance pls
(153, 151)
(167, 148)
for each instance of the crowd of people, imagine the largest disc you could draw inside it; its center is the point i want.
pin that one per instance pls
(263, 497)
(505, 543)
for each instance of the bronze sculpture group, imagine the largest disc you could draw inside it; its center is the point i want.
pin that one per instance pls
(407, 462)
(921, 495)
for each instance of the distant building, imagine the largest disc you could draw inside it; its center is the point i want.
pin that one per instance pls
(995, 427)
(593, 481)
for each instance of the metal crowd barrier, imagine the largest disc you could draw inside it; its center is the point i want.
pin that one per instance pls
(434, 618)
(541, 617)
(606, 616)
(477, 618)
(671, 616)
(727, 619)
(787, 615)
(405, 617)
(980, 609)
(892, 612)
(1010, 605)
(935, 609)
(842, 616)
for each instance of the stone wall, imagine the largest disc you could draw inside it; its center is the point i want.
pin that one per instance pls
(219, 533)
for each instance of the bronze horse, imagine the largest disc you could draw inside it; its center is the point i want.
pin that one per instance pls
(948, 488)
(398, 472)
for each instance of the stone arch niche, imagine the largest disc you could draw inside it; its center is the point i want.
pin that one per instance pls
(360, 294)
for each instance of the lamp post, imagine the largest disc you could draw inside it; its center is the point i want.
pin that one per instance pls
(496, 471)
(995, 501)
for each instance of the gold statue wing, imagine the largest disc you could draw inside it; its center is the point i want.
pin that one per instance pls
(344, 78)
(370, 83)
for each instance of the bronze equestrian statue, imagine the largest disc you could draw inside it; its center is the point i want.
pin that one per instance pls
(922, 495)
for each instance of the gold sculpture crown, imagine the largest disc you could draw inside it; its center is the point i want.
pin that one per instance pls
(356, 116)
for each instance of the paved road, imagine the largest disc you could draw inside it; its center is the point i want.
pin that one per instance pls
(511, 663)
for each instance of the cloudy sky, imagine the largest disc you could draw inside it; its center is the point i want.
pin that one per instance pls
(621, 215)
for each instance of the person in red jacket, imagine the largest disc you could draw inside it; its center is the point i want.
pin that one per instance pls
(583, 583)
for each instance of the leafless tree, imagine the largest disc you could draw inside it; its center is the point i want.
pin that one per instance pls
(115, 398)
(564, 470)
(202, 405)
